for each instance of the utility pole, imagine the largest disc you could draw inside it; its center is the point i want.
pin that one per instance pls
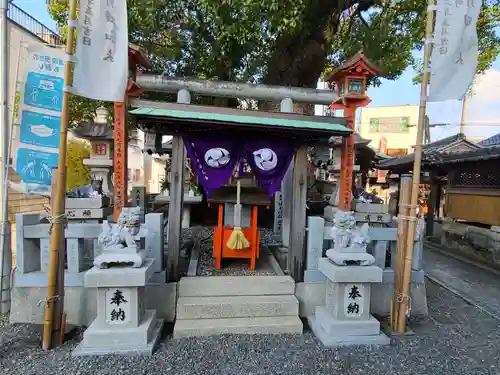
(464, 113)
(5, 245)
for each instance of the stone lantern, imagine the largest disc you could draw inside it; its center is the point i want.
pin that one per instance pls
(100, 135)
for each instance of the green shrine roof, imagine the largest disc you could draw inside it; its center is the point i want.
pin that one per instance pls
(158, 115)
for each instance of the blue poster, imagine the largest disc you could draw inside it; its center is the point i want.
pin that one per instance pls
(39, 129)
(36, 166)
(44, 91)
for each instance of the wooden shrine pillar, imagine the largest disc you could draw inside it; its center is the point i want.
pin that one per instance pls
(347, 163)
(175, 208)
(120, 160)
(296, 250)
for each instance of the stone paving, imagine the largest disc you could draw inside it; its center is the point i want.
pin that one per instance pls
(456, 338)
(477, 285)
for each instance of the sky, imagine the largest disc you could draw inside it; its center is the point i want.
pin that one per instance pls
(483, 108)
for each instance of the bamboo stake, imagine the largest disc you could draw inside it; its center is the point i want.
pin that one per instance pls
(404, 297)
(404, 211)
(54, 302)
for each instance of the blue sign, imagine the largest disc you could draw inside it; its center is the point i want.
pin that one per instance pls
(36, 166)
(44, 91)
(39, 129)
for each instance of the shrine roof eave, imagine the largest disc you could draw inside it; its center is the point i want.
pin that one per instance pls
(172, 118)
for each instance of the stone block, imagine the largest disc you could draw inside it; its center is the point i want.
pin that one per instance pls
(347, 301)
(74, 251)
(44, 254)
(101, 339)
(350, 274)
(88, 213)
(238, 326)
(315, 241)
(87, 203)
(28, 257)
(372, 218)
(334, 327)
(80, 304)
(121, 277)
(310, 295)
(343, 258)
(346, 340)
(115, 303)
(371, 208)
(236, 307)
(207, 286)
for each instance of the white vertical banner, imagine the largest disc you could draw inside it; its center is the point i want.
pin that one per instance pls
(455, 50)
(101, 67)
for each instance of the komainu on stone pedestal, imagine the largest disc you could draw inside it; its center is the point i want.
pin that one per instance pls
(118, 241)
(350, 241)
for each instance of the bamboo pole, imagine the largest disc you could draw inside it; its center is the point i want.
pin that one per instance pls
(53, 303)
(403, 214)
(415, 190)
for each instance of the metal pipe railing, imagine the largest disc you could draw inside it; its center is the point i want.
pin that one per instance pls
(23, 19)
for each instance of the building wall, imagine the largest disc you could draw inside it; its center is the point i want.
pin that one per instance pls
(392, 122)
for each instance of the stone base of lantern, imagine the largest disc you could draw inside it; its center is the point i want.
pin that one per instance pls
(123, 325)
(345, 319)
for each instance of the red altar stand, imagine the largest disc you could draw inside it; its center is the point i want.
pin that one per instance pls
(252, 197)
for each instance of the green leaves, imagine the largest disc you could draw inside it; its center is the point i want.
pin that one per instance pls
(279, 41)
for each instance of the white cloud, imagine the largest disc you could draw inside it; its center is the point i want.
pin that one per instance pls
(487, 86)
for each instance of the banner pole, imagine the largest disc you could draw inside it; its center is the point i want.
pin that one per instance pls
(403, 299)
(54, 304)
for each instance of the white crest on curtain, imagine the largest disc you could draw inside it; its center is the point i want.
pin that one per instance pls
(265, 159)
(217, 157)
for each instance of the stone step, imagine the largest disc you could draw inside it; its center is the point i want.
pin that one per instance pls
(236, 307)
(238, 326)
(212, 286)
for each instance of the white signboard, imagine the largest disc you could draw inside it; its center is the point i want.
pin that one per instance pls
(118, 303)
(101, 69)
(36, 151)
(454, 54)
(354, 300)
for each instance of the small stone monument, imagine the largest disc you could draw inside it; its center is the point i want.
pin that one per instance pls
(345, 319)
(120, 274)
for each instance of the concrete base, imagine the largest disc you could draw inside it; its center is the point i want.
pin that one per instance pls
(310, 295)
(37, 278)
(158, 278)
(100, 339)
(345, 340)
(80, 304)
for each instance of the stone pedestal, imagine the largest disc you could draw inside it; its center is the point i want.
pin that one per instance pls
(345, 319)
(123, 325)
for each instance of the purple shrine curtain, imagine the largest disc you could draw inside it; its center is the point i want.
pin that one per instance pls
(213, 160)
(269, 160)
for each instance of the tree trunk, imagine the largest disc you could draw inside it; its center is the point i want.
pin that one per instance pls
(299, 57)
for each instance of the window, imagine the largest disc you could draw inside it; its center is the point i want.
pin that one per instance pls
(355, 86)
(100, 149)
(374, 125)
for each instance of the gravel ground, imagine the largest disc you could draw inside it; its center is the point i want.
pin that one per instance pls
(235, 267)
(457, 338)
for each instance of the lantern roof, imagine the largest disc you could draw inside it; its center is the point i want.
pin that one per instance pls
(357, 64)
(138, 56)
